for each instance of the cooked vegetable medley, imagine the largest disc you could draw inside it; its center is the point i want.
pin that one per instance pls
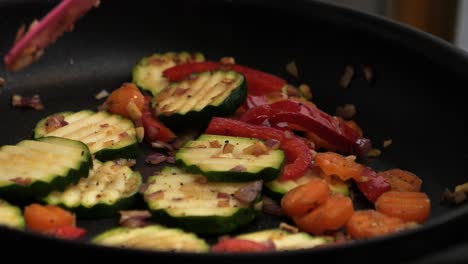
(227, 143)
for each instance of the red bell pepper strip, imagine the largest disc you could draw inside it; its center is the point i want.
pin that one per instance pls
(373, 184)
(68, 232)
(297, 152)
(258, 82)
(232, 245)
(154, 129)
(310, 118)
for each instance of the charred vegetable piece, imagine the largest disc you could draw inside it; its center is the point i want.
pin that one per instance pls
(284, 240)
(186, 200)
(108, 189)
(192, 102)
(231, 159)
(36, 167)
(153, 237)
(10, 215)
(148, 72)
(108, 136)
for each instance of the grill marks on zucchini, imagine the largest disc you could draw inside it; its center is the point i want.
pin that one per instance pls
(148, 72)
(11, 216)
(108, 136)
(200, 97)
(35, 168)
(285, 240)
(108, 189)
(235, 159)
(188, 201)
(153, 237)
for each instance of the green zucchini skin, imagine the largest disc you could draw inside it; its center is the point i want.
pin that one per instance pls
(152, 237)
(11, 216)
(148, 72)
(198, 212)
(101, 208)
(97, 123)
(277, 189)
(190, 156)
(39, 188)
(178, 119)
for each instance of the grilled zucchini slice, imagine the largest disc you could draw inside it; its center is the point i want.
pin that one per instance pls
(153, 237)
(277, 188)
(36, 167)
(11, 216)
(186, 200)
(204, 95)
(148, 72)
(108, 189)
(108, 136)
(230, 159)
(285, 240)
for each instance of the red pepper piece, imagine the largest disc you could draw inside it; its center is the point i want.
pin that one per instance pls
(298, 156)
(154, 129)
(241, 245)
(374, 185)
(182, 71)
(312, 119)
(258, 82)
(68, 232)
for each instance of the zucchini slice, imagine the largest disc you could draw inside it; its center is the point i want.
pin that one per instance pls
(153, 237)
(11, 216)
(277, 188)
(36, 167)
(148, 72)
(285, 240)
(204, 95)
(187, 201)
(108, 189)
(230, 159)
(108, 136)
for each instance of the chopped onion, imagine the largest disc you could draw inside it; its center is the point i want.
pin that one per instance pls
(288, 227)
(155, 158)
(249, 192)
(134, 218)
(291, 68)
(347, 76)
(27, 102)
(102, 94)
(271, 207)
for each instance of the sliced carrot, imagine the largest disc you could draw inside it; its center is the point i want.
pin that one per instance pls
(305, 198)
(45, 218)
(401, 180)
(118, 100)
(408, 206)
(370, 223)
(332, 163)
(330, 216)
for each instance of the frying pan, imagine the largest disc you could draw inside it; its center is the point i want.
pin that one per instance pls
(416, 99)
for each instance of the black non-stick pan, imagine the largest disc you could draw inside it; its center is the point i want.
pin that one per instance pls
(416, 98)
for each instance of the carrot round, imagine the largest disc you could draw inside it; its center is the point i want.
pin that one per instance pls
(305, 198)
(332, 215)
(118, 100)
(335, 164)
(45, 218)
(370, 223)
(401, 180)
(408, 206)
